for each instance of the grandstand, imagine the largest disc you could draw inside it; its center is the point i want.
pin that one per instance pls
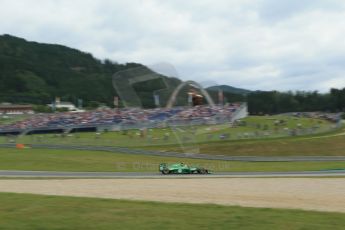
(123, 119)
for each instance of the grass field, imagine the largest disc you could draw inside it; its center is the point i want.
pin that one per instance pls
(254, 127)
(75, 160)
(34, 212)
(318, 145)
(205, 139)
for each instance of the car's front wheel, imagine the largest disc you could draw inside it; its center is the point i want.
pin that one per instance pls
(165, 171)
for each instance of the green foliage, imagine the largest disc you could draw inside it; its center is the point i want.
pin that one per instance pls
(273, 102)
(37, 73)
(93, 104)
(42, 109)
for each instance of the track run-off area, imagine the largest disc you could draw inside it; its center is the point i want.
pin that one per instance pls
(320, 194)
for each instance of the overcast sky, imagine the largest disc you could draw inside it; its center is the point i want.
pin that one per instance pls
(253, 44)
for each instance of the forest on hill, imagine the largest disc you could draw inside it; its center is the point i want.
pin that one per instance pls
(36, 73)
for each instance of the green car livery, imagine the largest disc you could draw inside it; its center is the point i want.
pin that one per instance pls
(181, 168)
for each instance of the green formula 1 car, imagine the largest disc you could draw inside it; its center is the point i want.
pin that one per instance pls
(181, 168)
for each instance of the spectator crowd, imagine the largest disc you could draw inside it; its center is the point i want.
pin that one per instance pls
(123, 116)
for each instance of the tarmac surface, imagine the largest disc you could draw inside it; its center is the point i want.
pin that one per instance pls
(143, 175)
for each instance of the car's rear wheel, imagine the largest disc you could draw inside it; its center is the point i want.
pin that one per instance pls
(202, 171)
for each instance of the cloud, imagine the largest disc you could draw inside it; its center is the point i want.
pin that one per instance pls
(255, 44)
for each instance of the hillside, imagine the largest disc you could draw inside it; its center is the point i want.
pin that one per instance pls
(32, 72)
(36, 73)
(229, 89)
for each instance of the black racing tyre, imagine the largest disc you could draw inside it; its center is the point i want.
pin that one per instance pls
(165, 171)
(202, 171)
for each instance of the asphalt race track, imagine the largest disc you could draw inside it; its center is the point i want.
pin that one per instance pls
(186, 155)
(49, 174)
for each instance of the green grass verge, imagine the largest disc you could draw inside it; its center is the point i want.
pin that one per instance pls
(93, 161)
(321, 144)
(330, 144)
(35, 212)
(256, 127)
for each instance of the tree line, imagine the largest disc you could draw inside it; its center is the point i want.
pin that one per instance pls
(273, 102)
